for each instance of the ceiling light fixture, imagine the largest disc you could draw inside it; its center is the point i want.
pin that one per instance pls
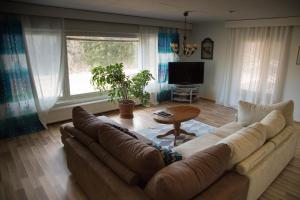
(187, 49)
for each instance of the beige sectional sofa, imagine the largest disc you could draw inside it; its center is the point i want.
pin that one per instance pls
(270, 153)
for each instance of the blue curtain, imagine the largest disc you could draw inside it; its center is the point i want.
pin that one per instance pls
(166, 36)
(17, 107)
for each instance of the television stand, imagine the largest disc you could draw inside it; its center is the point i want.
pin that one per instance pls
(185, 93)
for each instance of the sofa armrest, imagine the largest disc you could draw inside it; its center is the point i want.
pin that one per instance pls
(231, 186)
(64, 134)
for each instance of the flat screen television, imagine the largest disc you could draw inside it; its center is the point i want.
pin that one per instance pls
(186, 73)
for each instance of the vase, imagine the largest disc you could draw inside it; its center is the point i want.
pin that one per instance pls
(126, 109)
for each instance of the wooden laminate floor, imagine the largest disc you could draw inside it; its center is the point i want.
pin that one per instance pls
(33, 166)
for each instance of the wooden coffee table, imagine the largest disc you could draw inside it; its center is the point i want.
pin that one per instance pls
(180, 114)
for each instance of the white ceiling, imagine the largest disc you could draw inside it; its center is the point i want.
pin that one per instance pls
(172, 9)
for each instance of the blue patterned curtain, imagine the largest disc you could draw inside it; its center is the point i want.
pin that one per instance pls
(165, 37)
(17, 107)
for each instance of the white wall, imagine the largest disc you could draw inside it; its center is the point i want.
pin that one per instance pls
(292, 81)
(212, 68)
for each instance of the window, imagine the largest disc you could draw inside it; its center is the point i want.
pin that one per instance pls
(253, 67)
(85, 52)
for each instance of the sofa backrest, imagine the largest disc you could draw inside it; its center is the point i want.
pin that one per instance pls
(275, 122)
(185, 179)
(244, 142)
(138, 156)
(115, 165)
(249, 113)
(86, 122)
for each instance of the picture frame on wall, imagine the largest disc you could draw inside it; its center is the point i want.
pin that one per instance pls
(207, 49)
(298, 57)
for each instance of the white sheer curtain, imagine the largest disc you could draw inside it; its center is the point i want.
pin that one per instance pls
(255, 66)
(45, 53)
(149, 57)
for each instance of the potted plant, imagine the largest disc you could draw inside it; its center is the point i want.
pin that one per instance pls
(120, 87)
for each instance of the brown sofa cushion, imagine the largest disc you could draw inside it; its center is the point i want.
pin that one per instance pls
(95, 178)
(90, 124)
(86, 122)
(80, 137)
(121, 170)
(184, 179)
(136, 155)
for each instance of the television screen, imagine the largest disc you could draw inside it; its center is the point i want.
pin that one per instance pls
(186, 72)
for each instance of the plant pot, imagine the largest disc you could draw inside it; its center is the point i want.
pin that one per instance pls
(126, 109)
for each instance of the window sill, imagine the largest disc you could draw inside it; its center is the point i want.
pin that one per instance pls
(97, 104)
(76, 101)
(63, 110)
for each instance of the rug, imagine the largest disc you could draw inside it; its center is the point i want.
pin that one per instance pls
(191, 126)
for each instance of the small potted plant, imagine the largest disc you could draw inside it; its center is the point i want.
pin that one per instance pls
(122, 88)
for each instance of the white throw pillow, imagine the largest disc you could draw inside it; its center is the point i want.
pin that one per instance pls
(244, 142)
(249, 113)
(275, 122)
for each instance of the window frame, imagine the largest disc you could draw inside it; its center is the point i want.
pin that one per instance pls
(68, 99)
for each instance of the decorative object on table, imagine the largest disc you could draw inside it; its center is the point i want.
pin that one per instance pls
(122, 88)
(167, 142)
(179, 114)
(163, 114)
(298, 57)
(187, 49)
(207, 49)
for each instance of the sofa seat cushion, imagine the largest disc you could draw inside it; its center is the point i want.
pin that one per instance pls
(141, 158)
(249, 113)
(282, 136)
(189, 148)
(275, 122)
(227, 129)
(185, 179)
(244, 142)
(258, 156)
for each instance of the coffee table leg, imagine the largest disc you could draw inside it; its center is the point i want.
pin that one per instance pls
(170, 132)
(175, 137)
(176, 132)
(187, 133)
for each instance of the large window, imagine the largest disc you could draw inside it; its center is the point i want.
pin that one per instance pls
(85, 52)
(253, 67)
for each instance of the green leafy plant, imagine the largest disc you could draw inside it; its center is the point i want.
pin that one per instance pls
(120, 87)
